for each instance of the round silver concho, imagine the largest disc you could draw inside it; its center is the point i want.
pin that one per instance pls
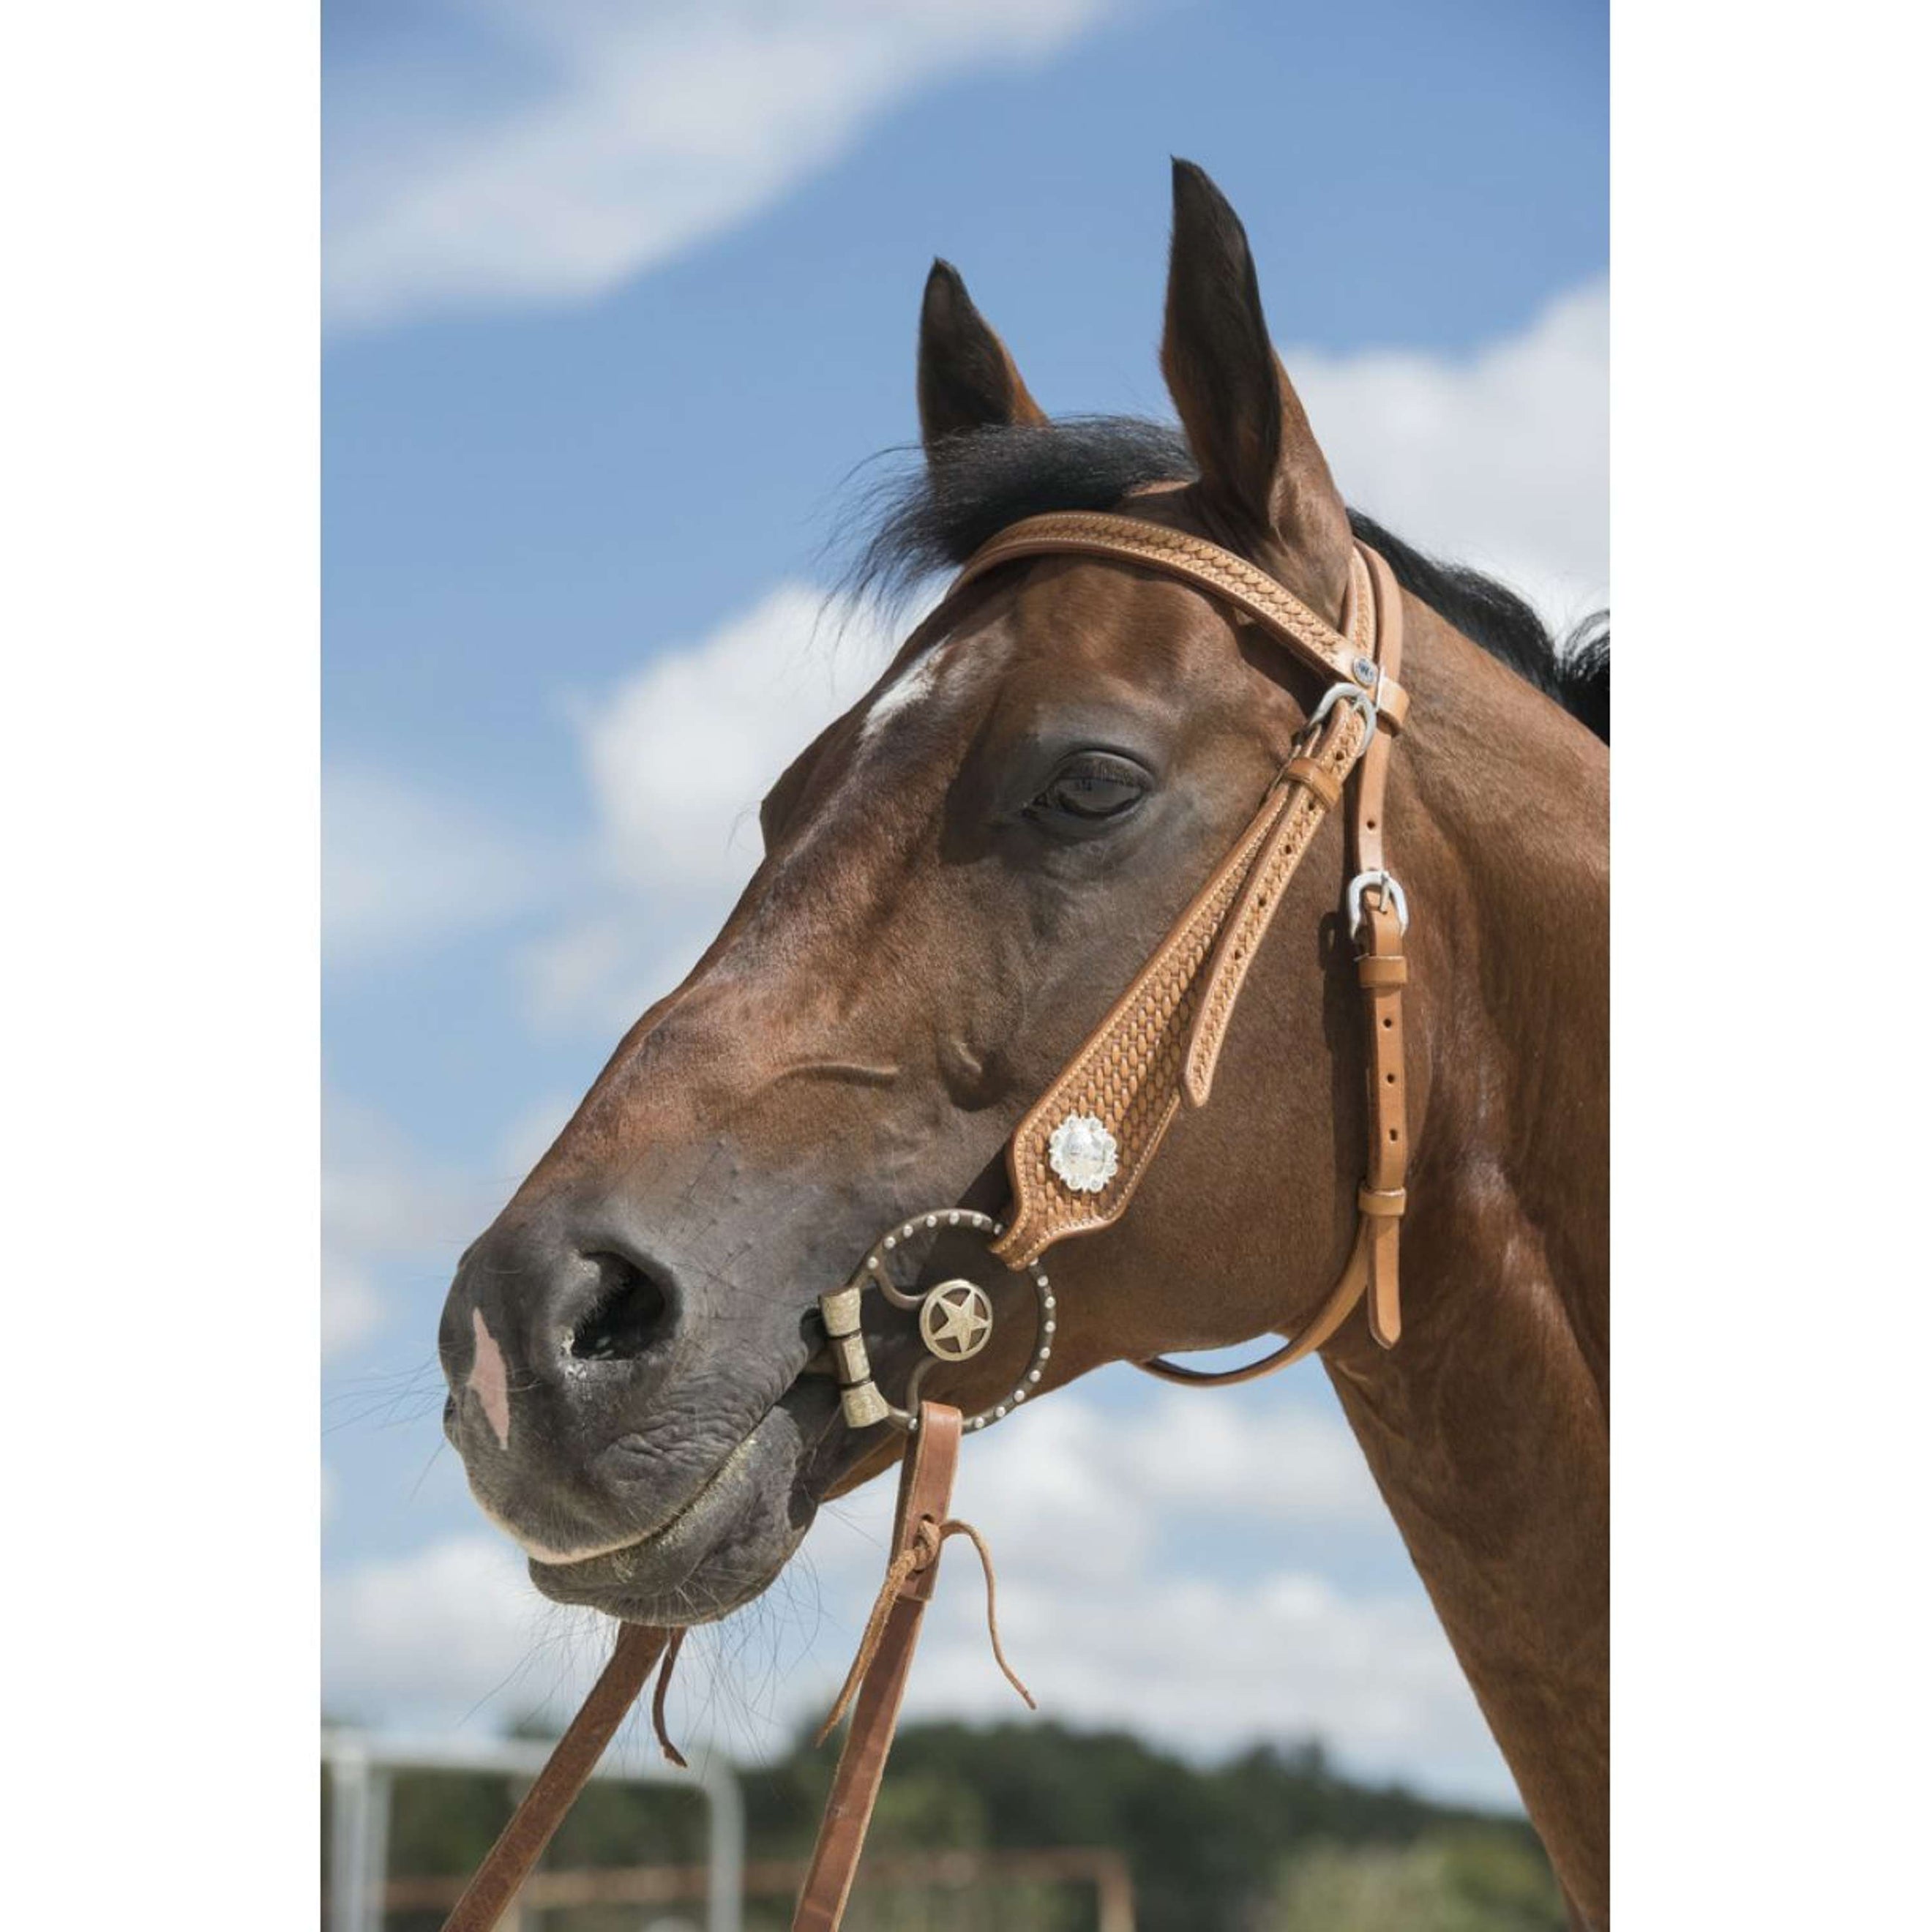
(955, 1322)
(1084, 1155)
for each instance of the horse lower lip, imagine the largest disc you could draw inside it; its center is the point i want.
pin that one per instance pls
(627, 1553)
(732, 1511)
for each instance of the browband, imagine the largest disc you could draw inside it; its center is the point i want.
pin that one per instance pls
(1206, 566)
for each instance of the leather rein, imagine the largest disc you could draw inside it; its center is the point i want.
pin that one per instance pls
(1077, 1157)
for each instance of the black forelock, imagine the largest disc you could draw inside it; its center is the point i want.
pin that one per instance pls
(923, 518)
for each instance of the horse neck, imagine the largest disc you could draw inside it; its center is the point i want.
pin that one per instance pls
(1486, 1428)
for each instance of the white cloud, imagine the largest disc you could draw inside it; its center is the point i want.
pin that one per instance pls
(351, 1308)
(425, 1637)
(658, 126)
(1500, 460)
(677, 757)
(679, 754)
(1105, 1607)
(1123, 1479)
(1208, 1665)
(1202, 1457)
(1108, 1611)
(402, 868)
(383, 1201)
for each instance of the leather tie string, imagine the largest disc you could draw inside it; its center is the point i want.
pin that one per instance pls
(671, 1752)
(928, 1540)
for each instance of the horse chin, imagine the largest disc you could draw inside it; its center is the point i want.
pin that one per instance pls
(728, 1543)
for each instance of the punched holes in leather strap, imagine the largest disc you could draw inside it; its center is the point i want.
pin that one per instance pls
(1384, 1201)
(1379, 970)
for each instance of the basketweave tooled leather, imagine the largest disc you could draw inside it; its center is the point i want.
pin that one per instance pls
(1205, 565)
(1128, 1074)
(1382, 972)
(1246, 925)
(1132, 1071)
(1161, 1040)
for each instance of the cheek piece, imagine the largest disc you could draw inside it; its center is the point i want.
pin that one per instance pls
(1074, 1162)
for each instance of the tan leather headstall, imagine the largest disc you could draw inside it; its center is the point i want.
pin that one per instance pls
(1077, 1157)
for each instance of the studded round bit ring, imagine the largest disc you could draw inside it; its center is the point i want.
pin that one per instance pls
(955, 1322)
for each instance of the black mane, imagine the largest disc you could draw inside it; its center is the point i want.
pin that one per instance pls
(932, 517)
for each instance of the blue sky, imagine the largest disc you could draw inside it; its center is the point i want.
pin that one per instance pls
(617, 297)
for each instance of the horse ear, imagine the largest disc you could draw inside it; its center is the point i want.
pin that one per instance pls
(1260, 467)
(967, 380)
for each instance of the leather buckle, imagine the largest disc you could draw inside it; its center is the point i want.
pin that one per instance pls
(1364, 703)
(1391, 894)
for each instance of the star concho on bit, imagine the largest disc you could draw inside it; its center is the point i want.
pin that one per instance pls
(956, 1320)
(1084, 1155)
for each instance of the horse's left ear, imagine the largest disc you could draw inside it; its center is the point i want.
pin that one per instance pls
(1261, 467)
(967, 380)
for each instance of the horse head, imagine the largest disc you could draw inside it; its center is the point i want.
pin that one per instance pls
(960, 875)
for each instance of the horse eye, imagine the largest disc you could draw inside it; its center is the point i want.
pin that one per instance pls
(1091, 787)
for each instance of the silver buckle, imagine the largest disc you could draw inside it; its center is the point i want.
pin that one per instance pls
(1393, 896)
(1364, 702)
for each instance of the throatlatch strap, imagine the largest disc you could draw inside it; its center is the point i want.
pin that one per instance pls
(1382, 972)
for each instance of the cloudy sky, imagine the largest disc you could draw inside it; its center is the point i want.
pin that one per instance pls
(617, 297)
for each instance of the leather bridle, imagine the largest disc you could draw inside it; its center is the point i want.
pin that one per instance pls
(1156, 1050)
(1081, 1151)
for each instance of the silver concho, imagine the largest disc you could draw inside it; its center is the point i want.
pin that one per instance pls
(955, 1321)
(1084, 1155)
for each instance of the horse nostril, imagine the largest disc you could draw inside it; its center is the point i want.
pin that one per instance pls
(631, 1312)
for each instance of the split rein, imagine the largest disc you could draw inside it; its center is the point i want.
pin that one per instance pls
(1074, 1162)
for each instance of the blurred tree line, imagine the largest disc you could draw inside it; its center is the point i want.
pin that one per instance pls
(1271, 1840)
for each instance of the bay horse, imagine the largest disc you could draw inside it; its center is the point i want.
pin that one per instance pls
(960, 876)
